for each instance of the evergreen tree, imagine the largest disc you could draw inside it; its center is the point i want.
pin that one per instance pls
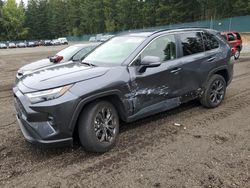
(12, 20)
(43, 19)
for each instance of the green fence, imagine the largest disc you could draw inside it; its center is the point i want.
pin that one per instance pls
(240, 24)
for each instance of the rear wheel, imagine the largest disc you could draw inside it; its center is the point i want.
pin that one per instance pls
(214, 92)
(98, 126)
(237, 54)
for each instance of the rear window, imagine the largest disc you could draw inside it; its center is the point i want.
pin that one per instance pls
(192, 43)
(238, 36)
(210, 41)
(230, 37)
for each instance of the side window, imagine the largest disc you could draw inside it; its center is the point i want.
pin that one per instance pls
(210, 41)
(192, 43)
(230, 37)
(80, 54)
(163, 47)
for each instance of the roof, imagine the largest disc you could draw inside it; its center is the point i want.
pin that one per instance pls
(140, 34)
(87, 44)
(150, 33)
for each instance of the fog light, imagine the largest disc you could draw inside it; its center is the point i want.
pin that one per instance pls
(51, 121)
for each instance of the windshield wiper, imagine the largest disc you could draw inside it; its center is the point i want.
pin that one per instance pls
(87, 63)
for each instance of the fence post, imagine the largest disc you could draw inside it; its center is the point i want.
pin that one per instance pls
(230, 24)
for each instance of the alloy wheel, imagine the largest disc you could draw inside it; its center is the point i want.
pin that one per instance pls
(217, 92)
(105, 125)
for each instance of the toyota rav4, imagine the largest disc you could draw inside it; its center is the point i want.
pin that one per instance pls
(129, 77)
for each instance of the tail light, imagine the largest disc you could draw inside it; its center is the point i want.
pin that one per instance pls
(56, 59)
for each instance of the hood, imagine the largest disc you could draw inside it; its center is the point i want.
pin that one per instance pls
(60, 75)
(36, 65)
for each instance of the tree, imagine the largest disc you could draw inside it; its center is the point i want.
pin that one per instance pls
(13, 20)
(1, 21)
(241, 7)
(31, 18)
(110, 14)
(43, 19)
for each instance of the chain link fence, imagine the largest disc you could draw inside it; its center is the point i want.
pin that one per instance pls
(240, 24)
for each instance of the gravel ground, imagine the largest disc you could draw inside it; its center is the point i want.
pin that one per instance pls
(211, 148)
(246, 48)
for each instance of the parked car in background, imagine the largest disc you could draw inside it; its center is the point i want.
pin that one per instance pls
(235, 41)
(47, 43)
(31, 44)
(36, 43)
(3, 46)
(127, 78)
(21, 45)
(12, 45)
(55, 42)
(71, 53)
(105, 37)
(63, 41)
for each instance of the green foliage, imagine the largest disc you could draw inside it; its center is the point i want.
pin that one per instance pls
(12, 20)
(55, 18)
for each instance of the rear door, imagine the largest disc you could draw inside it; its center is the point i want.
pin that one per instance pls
(193, 56)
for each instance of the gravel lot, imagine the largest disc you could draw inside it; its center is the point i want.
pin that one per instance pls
(211, 148)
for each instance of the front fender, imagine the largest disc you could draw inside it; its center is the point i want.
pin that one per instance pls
(94, 97)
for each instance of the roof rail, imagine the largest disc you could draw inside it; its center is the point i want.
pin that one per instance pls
(174, 28)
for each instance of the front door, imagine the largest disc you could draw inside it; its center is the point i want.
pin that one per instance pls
(158, 84)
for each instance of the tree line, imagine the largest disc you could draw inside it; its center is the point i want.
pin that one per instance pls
(47, 19)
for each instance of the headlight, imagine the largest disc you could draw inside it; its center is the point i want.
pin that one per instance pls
(46, 95)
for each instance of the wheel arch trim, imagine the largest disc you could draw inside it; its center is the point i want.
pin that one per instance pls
(91, 98)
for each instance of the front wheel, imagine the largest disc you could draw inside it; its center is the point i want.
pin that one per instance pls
(98, 126)
(214, 92)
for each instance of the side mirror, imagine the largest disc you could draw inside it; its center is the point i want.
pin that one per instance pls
(149, 62)
(76, 58)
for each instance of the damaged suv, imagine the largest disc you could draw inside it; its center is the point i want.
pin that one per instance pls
(129, 77)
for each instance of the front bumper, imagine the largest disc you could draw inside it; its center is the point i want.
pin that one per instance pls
(33, 137)
(46, 123)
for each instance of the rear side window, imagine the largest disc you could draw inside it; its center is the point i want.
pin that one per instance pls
(230, 37)
(210, 41)
(238, 36)
(192, 43)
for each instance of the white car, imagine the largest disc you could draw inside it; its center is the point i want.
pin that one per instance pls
(3, 46)
(55, 42)
(63, 41)
(70, 54)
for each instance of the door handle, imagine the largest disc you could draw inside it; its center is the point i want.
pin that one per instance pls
(210, 59)
(175, 70)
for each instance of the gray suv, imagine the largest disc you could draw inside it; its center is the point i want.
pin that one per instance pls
(129, 77)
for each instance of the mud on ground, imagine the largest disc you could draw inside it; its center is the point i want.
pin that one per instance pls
(211, 148)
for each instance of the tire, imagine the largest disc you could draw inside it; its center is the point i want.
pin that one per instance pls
(215, 92)
(97, 130)
(237, 54)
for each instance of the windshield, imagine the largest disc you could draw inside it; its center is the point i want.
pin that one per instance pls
(67, 53)
(115, 51)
